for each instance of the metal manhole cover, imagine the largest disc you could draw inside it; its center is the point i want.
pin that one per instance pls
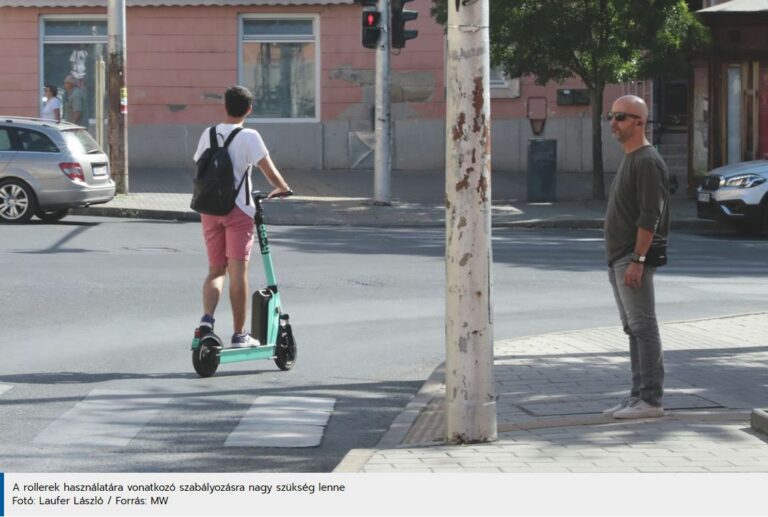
(574, 406)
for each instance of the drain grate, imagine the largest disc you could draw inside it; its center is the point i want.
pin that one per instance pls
(574, 406)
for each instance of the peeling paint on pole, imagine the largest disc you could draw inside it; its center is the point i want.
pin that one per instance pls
(470, 397)
(118, 96)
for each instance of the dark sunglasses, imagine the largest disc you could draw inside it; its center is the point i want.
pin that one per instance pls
(620, 116)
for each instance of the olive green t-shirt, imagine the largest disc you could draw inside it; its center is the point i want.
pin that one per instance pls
(639, 197)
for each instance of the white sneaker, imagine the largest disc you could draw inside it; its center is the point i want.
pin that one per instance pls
(618, 407)
(243, 341)
(639, 409)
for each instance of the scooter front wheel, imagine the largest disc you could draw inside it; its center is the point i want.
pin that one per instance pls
(205, 358)
(285, 351)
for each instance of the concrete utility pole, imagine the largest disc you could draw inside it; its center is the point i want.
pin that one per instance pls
(382, 166)
(118, 95)
(470, 397)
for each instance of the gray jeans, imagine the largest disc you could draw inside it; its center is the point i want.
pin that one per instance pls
(637, 309)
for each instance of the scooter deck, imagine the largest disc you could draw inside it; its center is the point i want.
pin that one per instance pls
(233, 355)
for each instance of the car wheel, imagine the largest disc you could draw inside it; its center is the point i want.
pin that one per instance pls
(17, 201)
(51, 216)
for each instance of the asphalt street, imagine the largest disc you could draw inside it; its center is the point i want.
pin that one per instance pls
(105, 308)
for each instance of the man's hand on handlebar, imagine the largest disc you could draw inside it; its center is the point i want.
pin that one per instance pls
(280, 192)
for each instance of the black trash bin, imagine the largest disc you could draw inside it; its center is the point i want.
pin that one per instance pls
(542, 165)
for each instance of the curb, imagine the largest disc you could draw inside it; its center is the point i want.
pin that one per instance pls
(759, 420)
(318, 220)
(137, 213)
(356, 459)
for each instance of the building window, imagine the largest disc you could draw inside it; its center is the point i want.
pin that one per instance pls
(72, 46)
(279, 63)
(502, 86)
(498, 78)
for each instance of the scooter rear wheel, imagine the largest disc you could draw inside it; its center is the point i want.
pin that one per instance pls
(205, 358)
(285, 351)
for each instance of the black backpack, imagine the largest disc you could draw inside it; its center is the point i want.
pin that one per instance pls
(214, 184)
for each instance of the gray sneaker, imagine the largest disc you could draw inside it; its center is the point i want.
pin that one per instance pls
(639, 409)
(618, 407)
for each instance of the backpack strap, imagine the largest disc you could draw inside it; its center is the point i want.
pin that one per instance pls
(231, 136)
(214, 143)
(244, 179)
(237, 191)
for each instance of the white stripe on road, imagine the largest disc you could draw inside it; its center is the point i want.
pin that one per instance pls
(283, 422)
(105, 418)
(5, 387)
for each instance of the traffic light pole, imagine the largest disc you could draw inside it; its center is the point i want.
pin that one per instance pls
(118, 96)
(470, 398)
(382, 167)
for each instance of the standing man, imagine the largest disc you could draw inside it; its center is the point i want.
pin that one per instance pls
(73, 101)
(229, 238)
(636, 232)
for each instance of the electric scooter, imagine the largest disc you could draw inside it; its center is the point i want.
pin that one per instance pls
(268, 322)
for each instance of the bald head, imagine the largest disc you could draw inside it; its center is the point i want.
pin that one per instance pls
(631, 104)
(628, 122)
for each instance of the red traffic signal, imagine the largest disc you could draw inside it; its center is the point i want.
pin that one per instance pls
(371, 30)
(371, 19)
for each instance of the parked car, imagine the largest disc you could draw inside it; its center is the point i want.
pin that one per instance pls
(737, 194)
(47, 168)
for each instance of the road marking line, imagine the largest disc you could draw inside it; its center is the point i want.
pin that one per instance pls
(283, 422)
(105, 418)
(5, 387)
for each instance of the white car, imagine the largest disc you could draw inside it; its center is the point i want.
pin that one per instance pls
(737, 194)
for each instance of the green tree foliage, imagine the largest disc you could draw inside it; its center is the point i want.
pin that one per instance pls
(600, 41)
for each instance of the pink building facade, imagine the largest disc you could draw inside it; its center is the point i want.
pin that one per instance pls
(303, 59)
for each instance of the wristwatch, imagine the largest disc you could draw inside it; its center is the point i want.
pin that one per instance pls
(638, 259)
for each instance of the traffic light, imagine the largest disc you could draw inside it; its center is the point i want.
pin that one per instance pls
(371, 29)
(399, 17)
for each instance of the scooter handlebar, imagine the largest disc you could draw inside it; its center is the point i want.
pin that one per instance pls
(259, 195)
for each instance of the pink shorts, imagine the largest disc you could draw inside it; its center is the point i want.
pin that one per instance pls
(228, 237)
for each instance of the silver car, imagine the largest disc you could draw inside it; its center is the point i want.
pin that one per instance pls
(47, 168)
(737, 194)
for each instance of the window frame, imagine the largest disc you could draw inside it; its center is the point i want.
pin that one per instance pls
(17, 141)
(499, 83)
(43, 40)
(505, 88)
(241, 40)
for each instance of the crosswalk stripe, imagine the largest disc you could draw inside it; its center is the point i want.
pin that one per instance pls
(5, 387)
(283, 422)
(105, 418)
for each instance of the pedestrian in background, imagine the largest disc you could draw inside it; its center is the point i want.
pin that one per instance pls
(73, 101)
(636, 233)
(229, 238)
(51, 104)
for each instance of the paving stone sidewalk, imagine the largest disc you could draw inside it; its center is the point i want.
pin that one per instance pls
(552, 389)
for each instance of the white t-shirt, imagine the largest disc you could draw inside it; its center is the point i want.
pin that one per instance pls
(51, 104)
(246, 149)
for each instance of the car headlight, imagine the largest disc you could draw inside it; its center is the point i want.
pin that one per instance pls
(745, 181)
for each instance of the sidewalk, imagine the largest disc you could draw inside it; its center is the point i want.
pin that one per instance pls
(344, 197)
(552, 389)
